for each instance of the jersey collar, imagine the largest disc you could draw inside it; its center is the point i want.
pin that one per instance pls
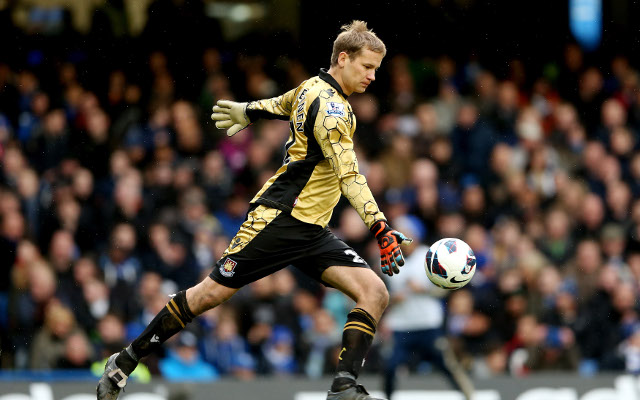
(325, 76)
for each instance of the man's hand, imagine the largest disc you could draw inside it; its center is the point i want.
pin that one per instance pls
(389, 241)
(231, 116)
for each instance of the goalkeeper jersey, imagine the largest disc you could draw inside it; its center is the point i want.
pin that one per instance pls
(320, 162)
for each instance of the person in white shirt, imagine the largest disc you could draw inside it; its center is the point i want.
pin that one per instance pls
(416, 316)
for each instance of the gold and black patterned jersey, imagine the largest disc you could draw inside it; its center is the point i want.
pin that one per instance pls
(320, 163)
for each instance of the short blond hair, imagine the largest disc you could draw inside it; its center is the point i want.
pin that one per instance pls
(355, 37)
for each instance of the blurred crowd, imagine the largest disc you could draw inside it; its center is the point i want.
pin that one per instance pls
(113, 196)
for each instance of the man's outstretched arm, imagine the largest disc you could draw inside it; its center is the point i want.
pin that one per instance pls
(234, 116)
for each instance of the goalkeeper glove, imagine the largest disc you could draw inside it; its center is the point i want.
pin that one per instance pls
(389, 241)
(231, 116)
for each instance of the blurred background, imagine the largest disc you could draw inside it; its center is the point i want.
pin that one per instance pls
(511, 125)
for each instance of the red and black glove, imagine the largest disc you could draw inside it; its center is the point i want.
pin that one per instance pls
(389, 241)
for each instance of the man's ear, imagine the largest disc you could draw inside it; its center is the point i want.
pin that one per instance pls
(342, 58)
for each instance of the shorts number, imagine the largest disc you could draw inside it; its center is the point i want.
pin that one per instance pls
(356, 257)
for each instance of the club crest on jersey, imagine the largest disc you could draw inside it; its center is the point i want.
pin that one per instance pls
(227, 269)
(335, 109)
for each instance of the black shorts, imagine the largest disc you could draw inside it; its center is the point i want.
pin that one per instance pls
(271, 239)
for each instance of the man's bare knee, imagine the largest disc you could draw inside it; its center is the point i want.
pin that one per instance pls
(362, 285)
(384, 297)
(376, 295)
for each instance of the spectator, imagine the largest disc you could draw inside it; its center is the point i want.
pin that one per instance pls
(171, 256)
(77, 353)
(597, 321)
(119, 262)
(227, 351)
(28, 185)
(50, 343)
(28, 311)
(584, 269)
(185, 363)
(91, 146)
(416, 317)
(278, 352)
(216, 180)
(631, 353)
(467, 328)
(96, 295)
(324, 342)
(542, 347)
(472, 139)
(111, 332)
(557, 243)
(51, 143)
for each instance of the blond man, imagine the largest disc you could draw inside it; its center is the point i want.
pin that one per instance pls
(287, 221)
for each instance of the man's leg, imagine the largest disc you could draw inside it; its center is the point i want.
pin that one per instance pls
(178, 312)
(371, 297)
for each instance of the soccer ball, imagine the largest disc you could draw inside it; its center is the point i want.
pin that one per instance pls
(450, 263)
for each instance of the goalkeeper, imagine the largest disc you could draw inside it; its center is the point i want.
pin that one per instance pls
(287, 221)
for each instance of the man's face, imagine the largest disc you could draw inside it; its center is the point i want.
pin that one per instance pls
(360, 71)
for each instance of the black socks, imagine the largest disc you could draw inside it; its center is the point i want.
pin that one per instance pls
(356, 339)
(171, 320)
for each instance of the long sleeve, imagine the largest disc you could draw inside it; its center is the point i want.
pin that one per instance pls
(333, 134)
(274, 108)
